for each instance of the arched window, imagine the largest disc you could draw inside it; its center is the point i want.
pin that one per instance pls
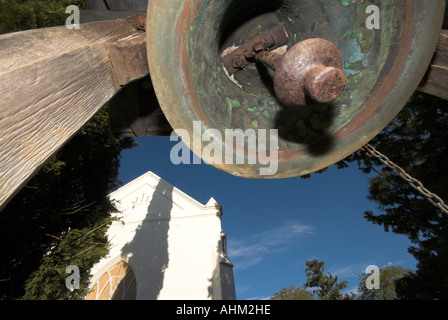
(117, 283)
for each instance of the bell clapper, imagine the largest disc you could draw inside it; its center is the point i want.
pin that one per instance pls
(311, 68)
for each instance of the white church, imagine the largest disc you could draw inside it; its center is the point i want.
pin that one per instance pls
(165, 245)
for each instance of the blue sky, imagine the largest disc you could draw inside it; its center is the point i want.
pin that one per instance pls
(274, 226)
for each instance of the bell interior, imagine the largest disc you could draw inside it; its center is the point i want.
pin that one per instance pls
(383, 67)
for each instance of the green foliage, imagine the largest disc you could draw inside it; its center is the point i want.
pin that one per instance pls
(48, 281)
(389, 275)
(293, 293)
(318, 285)
(17, 15)
(327, 286)
(321, 286)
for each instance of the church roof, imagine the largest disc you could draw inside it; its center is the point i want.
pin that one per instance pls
(171, 201)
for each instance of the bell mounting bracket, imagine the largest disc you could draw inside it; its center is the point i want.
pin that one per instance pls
(269, 40)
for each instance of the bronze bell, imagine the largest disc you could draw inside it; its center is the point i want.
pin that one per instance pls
(323, 110)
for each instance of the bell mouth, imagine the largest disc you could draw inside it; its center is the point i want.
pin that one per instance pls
(383, 67)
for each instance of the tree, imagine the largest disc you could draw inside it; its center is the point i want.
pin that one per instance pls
(327, 286)
(324, 287)
(79, 247)
(293, 293)
(17, 15)
(388, 276)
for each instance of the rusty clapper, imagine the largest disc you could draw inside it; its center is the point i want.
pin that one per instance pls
(311, 68)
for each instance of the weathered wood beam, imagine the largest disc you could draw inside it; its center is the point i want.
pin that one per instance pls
(436, 79)
(52, 81)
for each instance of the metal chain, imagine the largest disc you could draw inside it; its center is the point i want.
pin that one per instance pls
(414, 183)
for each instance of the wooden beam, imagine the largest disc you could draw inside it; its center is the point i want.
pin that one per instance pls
(436, 79)
(52, 81)
(128, 58)
(102, 15)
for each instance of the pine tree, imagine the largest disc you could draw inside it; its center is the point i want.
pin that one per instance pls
(327, 286)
